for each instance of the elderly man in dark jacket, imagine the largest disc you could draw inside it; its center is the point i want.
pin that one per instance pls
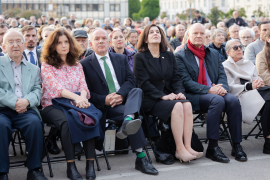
(206, 87)
(179, 33)
(236, 20)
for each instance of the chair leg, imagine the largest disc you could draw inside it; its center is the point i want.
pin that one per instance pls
(96, 159)
(20, 142)
(226, 130)
(148, 155)
(13, 146)
(106, 159)
(48, 157)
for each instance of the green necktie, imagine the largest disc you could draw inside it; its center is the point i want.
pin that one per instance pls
(109, 77)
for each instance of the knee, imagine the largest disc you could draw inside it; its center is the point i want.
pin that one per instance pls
(35, 123)
(187, 107)
(218, 101)
(178, 107)
(233, 101)
(136, 90)
(4, 126)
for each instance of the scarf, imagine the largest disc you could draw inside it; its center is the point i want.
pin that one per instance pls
(200, 53)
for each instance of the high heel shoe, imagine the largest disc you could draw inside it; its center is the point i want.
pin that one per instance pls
(184, 160)
(198, 155)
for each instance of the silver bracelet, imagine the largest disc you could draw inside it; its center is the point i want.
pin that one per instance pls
(246, 86)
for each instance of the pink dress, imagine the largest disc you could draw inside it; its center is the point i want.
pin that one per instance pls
(54, 81)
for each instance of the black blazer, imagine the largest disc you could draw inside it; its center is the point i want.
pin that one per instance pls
(175, 42)
(154, 82)
(38, 50)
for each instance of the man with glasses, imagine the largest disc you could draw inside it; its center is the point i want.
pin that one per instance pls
(257, 46)
(246, 37)
(20, 93)
(234, 32)
(207, 88)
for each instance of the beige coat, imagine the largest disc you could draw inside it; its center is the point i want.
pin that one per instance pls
(261, 66)
(243, 69)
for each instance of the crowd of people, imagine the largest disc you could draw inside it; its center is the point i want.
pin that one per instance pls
(77, 75)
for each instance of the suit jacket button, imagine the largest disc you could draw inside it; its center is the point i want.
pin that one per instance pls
(103, 82)
(200, 89)
(163, 80)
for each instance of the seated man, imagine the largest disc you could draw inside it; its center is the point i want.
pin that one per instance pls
(20, 93)
(179, 35)
(113, 90)
(206, 87)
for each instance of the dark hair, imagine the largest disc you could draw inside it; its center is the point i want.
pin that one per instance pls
(267, 50)
(67, 26)
(108, 27)
(261, 23)
(3, 26)
(132, 31)
(27, 28)
(50, 55)
(142, 46)
(130, 20)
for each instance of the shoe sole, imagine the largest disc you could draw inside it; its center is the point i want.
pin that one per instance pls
(222, 161)
(145, 172)
(131, 128)
(242, 160)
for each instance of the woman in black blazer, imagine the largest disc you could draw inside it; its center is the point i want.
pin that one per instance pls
(157, 75)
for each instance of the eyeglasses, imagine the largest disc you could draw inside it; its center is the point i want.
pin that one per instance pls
(18, 42)
(235, 48)
(246, 37)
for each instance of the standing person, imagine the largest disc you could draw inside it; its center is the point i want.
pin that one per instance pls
(157, 75)
(113, 90)
(3, 30)
(179, 33)
(207, 88)
(132, 39)
(31, 52)
(20, 93)
(118, 43)
(62, 76)
(236, 20)
(72, 20)
(218, 39)
(257, 46)
(198, 18)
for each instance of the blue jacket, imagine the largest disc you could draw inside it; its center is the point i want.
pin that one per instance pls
(222, 51)
(78, 131)
(189, 71)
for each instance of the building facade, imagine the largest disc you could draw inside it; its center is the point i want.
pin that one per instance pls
(97, 9)
(251, 5)
(172, 7)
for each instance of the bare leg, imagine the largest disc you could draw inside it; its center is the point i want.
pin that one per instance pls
(177, 125)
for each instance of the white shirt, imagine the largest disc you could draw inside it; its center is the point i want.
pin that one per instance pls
(108, 61)
(28, 55)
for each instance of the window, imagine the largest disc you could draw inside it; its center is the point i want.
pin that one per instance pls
(95, 7)
(181, 5)
(223, 3)
(72, 7)
(204, 3)
(78, 7)
(213, 3)
(114, 7)
(89, 7)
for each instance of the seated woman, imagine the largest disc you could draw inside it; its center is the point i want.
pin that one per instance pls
(118, 43)
(61, 76)
(132, 39)
(158, 76)
(263, 61)
(242, 76)
(218, 38)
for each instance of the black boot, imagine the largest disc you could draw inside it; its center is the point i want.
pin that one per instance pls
(3, 176)
(90, 170)
(72, 172)
(266, 147)
(52, 145)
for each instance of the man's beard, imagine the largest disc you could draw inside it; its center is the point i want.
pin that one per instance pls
(30, 46)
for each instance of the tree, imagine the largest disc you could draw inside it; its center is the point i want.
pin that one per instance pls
(17, 12)
(214, 15)
(163, 15)
(186, 14)
(136, 16)
(242, 12)
(258, 13)
(150, 8)
(134, 6)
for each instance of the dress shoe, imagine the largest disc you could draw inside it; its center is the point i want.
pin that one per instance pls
(266, 146)
(72, 172)
(4, 177)
(239, 154)
(35, 175)
(216, 155)
(163, 127)
(129, 127)
(185, 159)
(90, 170)
(143, 165)
(52, 147)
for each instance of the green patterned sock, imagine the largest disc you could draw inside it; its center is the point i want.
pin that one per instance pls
(140, 155)
(128, 118)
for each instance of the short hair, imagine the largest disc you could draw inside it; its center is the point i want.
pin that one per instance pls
(47, 29)
(67, 26)
(142, 46)
(11, 31)
(132, 31)
(252, 33)
(22, 19)
(97, 29)
(27, 28)
(261, 23)
(63, 18)
(87, 21)
(108, 27)
(14, 20)
(215, 32)
(49, 54)
(220, 23)
(230, 28)
(228, 44)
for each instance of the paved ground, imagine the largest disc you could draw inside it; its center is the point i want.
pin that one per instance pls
(256, 168)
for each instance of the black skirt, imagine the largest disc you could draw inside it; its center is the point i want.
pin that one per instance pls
(163, 109)
(265, 92)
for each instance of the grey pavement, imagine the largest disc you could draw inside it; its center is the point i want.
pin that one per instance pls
(256, 168)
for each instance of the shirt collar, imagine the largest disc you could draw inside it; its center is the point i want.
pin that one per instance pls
(22, 61)
(99, 57)
(27, 51)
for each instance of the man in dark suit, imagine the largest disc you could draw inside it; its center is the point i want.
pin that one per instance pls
(236, 20)
(31, 52)
(113, 90)
(179, 34)
(206, 87)
(198, 18)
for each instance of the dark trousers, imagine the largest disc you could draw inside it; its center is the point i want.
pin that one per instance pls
(132, 106)
(31, 128)
(57, 117)
(214, 105)
(265, 119)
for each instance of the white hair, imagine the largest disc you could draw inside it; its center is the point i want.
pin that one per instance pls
(98, 29)
(11, 31)
(47, 29)
(218, 24)
(252, 33)
(22, 19)
(63, 18)
(14, 20)
(230, 28)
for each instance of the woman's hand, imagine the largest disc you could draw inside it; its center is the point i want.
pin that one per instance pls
(82, 102)
(256, 84)
(180, 96)
(171, 96)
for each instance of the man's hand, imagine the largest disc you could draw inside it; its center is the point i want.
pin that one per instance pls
(171, 96)
(21, 105)
(108, 99)
(117, 99)
(218, 90)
